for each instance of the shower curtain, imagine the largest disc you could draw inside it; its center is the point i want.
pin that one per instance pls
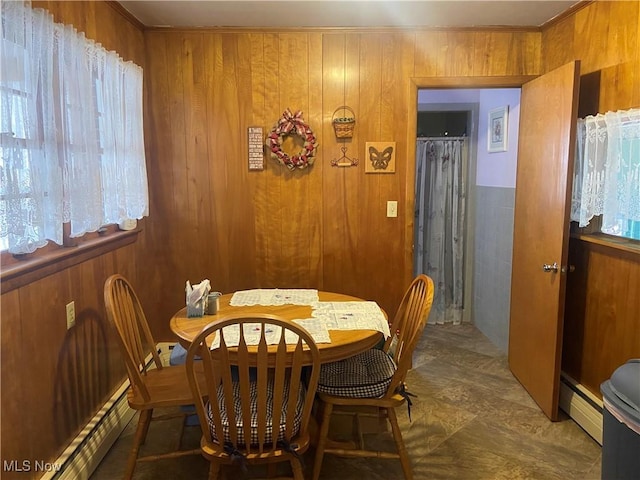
(440, 222)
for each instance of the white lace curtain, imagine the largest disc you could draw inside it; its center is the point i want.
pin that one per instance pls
(607, 170)
(72, 144)
(439, 223)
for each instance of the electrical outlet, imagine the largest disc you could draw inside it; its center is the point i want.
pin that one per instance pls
(392, 208)
(71, 314)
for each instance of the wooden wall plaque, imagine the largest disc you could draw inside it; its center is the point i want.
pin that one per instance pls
(256, 148)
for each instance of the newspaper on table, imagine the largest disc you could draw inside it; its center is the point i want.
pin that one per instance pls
(351, 316)
(274, 296)
(252, 332)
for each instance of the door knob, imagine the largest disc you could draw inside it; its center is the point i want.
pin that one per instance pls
(550, 268)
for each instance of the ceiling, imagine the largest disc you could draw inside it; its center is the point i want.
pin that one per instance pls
(341, 13)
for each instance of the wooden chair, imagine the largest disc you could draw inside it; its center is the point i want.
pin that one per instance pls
(375, 380)
(258, 386)
(152, 385)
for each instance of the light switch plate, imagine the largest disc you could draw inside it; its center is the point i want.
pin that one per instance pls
(392, 208)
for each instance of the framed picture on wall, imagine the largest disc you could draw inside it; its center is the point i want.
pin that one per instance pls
(497, 129)
(381, 157)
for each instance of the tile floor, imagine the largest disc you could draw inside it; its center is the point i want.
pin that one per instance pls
(471, 420)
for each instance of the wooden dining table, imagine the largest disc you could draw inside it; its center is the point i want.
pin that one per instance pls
(344, 343)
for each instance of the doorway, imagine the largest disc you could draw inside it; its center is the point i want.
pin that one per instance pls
(490, 201)
(503, 245)
(443, 227)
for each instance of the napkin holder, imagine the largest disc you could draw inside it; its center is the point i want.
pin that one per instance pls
(196, 298)
(196, 310)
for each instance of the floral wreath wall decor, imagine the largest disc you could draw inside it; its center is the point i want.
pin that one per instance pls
(292, 124)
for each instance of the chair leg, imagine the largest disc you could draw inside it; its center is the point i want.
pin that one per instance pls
(214, 471)
(296, 466)
(144, 420)
(322, 439)
(146, 426)
(402, 451)
(356, 431)
(382, 419)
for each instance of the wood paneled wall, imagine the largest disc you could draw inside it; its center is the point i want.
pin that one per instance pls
(615, 64)
(103, 21)
(53, 379)
(602, 325)
(324, 227)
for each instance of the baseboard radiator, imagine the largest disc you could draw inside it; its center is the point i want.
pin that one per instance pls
(83, 455)
(582, 406)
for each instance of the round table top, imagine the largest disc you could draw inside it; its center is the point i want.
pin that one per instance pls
(344, 343)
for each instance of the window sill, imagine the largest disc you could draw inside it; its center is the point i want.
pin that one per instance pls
(616, 243)
(35, 268)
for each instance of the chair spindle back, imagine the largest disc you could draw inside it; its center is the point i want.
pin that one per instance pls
(408, 325)
(126, 315)
(237, 376)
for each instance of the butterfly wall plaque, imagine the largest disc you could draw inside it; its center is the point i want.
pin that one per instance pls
(381, 157)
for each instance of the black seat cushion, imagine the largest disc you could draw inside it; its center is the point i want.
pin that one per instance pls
(366, 375)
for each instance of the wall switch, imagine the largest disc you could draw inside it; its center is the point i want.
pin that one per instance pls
(392, 208)
(71, 314)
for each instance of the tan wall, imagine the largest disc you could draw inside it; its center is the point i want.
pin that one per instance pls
(324, 227)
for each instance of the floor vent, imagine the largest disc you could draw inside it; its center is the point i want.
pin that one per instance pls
(582, 406)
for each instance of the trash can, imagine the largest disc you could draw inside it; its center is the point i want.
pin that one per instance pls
(621, 423)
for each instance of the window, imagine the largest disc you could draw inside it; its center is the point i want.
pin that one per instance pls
(607, 173)
(71, 133)
(21, 147)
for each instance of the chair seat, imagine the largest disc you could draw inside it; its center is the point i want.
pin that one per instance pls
(254, 414)
(166, 387)
(366, 375)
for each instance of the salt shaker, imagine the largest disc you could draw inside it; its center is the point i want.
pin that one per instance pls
(213, 303)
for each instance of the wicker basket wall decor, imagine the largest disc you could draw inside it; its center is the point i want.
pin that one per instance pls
(344, 125)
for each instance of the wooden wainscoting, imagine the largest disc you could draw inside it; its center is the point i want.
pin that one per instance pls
(54, 380)
(601, 325)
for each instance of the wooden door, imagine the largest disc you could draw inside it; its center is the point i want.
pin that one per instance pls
(548, 113)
